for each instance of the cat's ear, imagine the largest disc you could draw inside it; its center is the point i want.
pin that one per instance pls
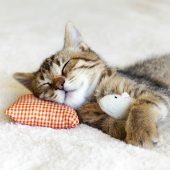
(25, 79)
(73, 38)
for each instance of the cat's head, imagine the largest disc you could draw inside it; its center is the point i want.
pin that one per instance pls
(68, 77)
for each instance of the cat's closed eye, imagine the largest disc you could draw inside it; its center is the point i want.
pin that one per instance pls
(47, 84)
(64, 67)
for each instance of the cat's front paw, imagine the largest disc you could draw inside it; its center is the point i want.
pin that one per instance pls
(145, 138)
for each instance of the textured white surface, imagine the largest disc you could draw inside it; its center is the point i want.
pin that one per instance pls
(122, 32)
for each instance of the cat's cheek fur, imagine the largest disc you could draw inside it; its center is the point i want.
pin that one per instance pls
(77, 97)
(72, 86)
(60, 96)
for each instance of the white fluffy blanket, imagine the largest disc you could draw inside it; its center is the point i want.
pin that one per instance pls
(122, 32)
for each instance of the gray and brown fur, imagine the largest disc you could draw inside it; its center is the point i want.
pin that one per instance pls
(147, 82)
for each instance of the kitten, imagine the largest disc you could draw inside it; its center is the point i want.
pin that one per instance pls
(76, 76)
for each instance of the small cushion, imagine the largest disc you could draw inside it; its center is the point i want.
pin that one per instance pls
(29, 110)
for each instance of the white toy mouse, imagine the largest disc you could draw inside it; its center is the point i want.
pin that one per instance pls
(116, 106)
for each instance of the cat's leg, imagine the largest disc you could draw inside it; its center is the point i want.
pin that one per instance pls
(141, 125)
(91, 114)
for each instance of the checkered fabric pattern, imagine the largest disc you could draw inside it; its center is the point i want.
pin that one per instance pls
(29, 110)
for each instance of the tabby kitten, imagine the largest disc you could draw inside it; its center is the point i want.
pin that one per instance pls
(76, 76)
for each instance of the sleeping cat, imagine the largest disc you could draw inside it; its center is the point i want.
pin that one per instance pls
(76, 76)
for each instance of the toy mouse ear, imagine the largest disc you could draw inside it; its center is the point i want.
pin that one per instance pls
(125, 95)
(73, 38)
(25, 79)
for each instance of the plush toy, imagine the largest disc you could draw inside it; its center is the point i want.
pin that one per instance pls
(29, 110)
(116, 106)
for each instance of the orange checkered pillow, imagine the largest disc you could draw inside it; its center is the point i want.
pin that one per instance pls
(29, 110)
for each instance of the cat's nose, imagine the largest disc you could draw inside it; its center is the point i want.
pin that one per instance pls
(60, 85)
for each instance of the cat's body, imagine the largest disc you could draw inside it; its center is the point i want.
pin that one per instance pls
(150, 110)
(156, 69)
(77, 77)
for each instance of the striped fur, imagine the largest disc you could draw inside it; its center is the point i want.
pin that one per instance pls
(77, 77)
